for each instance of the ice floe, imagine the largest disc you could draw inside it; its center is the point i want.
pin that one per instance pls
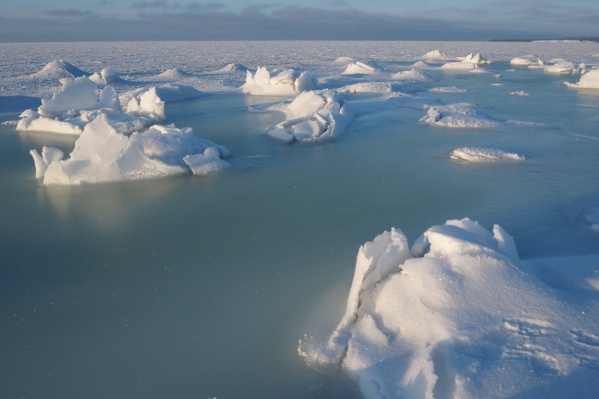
(285, 83)
(311, 117)
(565, 67)
(367, 87)
(448, 89)
(589, 80)
(520, 93)
(454, 316)
(484, 155)
(458, 115)
(528, 60)
(102, 154)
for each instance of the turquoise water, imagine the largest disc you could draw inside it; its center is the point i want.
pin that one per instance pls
(201, 287)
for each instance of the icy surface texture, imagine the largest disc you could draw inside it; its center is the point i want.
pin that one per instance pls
(453, 317)
(283, 84)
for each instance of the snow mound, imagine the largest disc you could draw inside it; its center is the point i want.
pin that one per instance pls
(527, 60)
(312, 116)
(484, 155)
(101, 154)
(106, 76)
(589, 80)
(367, 87)
(70, 108)
(420, 65)
(233, 67)
(359, 68)
(59, 69)
(459, 115)
(564, 67)
(520, 93)
(436, 55)
(454, 317)
(476, 58)
(344, 60)
(172, 74)
(283, 84)
(413, 75)
(450, 89)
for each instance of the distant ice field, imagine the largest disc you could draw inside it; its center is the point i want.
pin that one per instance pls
(299, 220)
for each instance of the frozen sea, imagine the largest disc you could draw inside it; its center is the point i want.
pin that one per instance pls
(202, 286)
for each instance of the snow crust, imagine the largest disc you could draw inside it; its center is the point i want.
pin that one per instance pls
(283, 84)
(102, 154)
(311, 117)
(484, 155)
(455, 317)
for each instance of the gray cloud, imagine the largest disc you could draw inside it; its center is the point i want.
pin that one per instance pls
(151, 4)
(70, 13)
(213, 21)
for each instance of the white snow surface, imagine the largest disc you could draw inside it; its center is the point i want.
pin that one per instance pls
(484, 155)
(455, 317)
(102, 154)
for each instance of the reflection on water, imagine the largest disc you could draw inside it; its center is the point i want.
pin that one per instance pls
(194, 286)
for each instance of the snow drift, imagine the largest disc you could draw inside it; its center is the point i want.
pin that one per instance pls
(455, 317)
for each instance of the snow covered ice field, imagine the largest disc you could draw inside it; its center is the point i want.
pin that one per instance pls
(343, 234)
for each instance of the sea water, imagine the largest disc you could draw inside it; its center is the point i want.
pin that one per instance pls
(201, 287)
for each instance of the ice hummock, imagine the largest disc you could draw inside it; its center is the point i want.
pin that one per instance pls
(589, 80)
(106, 76)
(484, 155)
(470, 63)
(285, 83)
(102, 154)
(59, 69)
(311, 117)
(528, 60)
(79, 101)
(454, 316)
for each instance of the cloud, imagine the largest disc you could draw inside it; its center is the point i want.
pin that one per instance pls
(70, 13)
(151, 4)
(214, 21)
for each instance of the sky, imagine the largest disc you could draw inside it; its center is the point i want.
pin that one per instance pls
(130, 20)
